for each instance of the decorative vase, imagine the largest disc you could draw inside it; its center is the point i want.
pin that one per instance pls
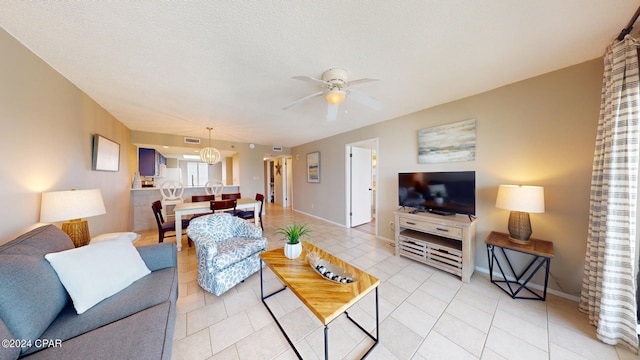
(292, 251)
(137, 182)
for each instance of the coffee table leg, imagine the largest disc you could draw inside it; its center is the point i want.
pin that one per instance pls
(326, 327)
(274, 316)
(326, 342)
(377, 337)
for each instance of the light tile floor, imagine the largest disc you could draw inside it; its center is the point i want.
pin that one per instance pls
(424, 313)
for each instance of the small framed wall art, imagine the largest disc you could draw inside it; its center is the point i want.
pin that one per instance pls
(313, 167)
(106, 154)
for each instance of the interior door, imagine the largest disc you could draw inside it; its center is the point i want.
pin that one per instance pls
(277, 168)
(285, 183)
(289, 192)
(361, 186)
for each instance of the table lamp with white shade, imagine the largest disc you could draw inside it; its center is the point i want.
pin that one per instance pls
(521, 200)
(71, 206)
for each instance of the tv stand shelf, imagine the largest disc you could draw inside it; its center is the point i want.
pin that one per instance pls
(444, 242)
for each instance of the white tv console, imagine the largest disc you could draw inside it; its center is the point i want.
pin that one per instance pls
(444, 242)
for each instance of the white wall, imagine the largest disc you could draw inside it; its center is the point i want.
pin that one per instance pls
(540, 131)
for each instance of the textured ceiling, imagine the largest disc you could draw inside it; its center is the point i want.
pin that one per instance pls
(178, 67)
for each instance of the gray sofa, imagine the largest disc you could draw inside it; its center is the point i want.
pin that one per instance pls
(36, 311)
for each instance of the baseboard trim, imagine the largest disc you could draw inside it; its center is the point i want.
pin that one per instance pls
(319, 218)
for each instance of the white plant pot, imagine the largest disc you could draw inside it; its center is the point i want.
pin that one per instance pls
(292, 251)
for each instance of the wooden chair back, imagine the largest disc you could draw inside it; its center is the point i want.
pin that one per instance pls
(156, 206)
(228, 204)
(199, 198)
(231, 196)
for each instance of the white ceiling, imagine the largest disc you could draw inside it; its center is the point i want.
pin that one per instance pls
(178, 67)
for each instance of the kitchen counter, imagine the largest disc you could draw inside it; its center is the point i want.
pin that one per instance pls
(142, 198)
(224, 189)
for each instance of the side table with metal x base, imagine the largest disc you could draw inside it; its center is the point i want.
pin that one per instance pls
(541, 252)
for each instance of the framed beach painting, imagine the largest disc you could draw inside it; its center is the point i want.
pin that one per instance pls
(447, 143)
(313, 167)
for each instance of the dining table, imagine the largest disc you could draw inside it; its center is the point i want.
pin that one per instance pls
(203, 207)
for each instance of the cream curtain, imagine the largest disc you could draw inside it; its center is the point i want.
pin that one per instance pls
(608, 286)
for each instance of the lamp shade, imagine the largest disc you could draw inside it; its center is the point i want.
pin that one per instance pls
(72, 204)
(522, 198)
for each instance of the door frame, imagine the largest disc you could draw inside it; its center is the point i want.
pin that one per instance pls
(287, 181)
(373, 145)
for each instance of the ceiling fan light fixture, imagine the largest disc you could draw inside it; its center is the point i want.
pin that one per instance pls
(335, 96)
(210, 155)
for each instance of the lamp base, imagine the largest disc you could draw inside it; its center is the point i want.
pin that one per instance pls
(78, 231)
(519, 227)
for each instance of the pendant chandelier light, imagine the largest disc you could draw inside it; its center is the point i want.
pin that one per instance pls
(210, 155)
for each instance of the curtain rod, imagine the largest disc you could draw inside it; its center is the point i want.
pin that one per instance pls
(629, 27)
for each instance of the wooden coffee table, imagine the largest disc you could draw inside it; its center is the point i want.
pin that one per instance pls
(325, 298)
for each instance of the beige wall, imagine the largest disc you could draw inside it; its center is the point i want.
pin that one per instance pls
(540, 131)
(46, 138)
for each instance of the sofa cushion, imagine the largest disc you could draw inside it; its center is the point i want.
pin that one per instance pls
(8, 352)
(156, 288)
(94, 272)
(236, 249)
(159, 256)
(31, 296)
(113, 236)
(145, 335)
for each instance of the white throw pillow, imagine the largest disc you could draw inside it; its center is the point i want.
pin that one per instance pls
(117, 235)
(94, 272)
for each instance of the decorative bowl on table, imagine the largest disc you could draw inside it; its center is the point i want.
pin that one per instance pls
(329, 271)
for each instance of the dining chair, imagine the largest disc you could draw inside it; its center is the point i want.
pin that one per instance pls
(200, 198)
(232, 196)
(171, 192)
(213, 187)
(165, 227)
(228, 205)
(251, 214)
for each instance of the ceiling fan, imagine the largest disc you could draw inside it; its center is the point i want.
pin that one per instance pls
(337, 89)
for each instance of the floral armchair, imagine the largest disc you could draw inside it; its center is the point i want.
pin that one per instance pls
(227, 248)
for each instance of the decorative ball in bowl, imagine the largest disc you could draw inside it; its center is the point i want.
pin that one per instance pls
(329, 271)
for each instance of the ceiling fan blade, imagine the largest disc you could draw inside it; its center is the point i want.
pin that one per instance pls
(332, 112)
(360, 81)
(366, 100)
(311, 80)
(301, 100)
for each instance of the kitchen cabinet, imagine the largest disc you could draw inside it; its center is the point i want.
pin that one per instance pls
(149, 161)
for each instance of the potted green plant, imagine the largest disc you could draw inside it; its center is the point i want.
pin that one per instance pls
(291, 234)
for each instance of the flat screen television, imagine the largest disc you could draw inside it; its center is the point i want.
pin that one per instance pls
(445, 193)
